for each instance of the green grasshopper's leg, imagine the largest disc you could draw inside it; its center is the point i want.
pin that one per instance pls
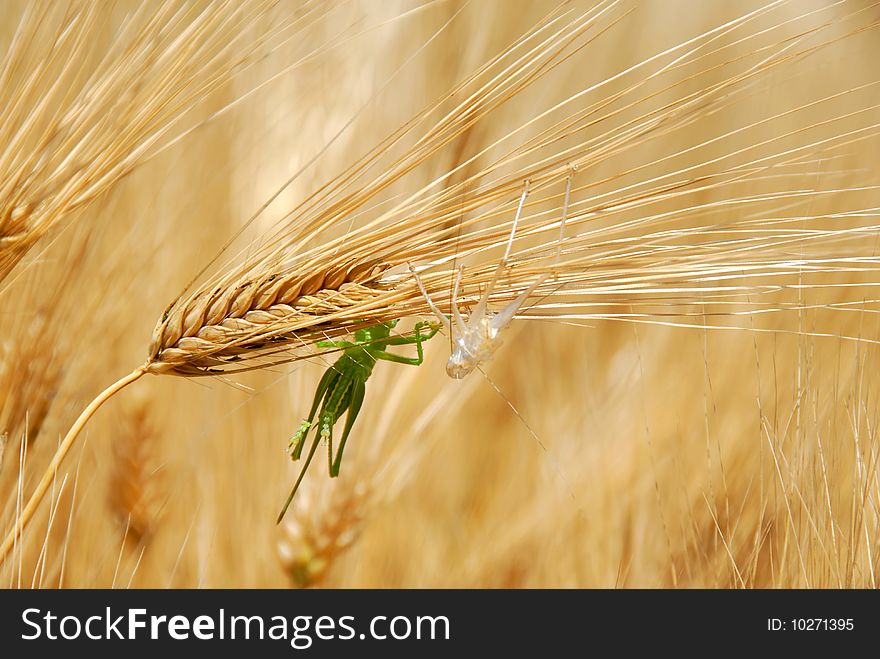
(337, 401)
(344, 404)
(335, 344)
(328, 381)
(416, 336)
(299, 479)
(354, 407)
(418, 339)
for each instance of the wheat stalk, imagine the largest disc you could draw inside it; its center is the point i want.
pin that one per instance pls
(624, 248)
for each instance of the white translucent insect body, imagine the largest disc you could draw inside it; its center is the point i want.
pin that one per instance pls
(476, 340)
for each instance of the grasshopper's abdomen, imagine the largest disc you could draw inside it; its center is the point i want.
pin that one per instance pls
(354, 366)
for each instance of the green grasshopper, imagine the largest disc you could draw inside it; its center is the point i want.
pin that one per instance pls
(343, 386)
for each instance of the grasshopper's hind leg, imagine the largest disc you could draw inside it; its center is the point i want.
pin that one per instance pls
(328, 381)
(357, 398)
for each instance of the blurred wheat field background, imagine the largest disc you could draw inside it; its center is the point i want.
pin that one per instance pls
(729, 451)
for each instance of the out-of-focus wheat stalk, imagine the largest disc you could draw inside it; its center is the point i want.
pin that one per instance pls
(134, 487)
(322, 531)
(28, 379)
(77, 114)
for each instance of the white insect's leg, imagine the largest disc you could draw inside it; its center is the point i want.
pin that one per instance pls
(440, 315)
(459, 321)
(480, 310)
(522, 200)
(503, 317)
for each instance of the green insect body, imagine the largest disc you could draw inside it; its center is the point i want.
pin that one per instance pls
(342, 389)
